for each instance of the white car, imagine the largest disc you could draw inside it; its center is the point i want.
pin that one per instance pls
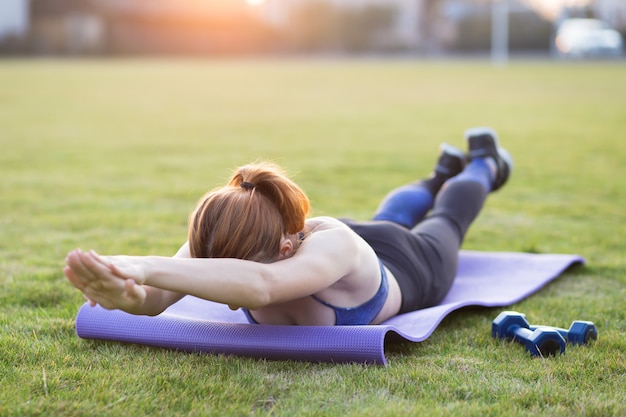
(580, 38)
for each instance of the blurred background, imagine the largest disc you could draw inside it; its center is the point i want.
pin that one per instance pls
(428, 28)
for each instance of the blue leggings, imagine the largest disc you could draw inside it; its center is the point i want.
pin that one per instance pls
(409, 204)
(422, 250)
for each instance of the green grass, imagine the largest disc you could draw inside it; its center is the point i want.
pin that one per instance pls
(112, 155)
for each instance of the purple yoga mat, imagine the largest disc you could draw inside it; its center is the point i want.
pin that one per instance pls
(489, 279)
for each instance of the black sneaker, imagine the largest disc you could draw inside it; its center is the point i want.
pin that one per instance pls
(482, 143)
(451, 160)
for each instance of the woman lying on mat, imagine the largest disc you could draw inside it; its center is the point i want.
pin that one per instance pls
(251, 246)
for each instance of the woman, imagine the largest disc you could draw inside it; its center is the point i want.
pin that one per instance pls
(250, 245)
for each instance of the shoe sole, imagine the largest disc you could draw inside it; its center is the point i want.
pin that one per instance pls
(454, 152)
(503, 154)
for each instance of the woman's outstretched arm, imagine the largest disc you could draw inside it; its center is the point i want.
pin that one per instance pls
(100, 285)
(327, 256)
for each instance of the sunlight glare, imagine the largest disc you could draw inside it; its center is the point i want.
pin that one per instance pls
(255, 2)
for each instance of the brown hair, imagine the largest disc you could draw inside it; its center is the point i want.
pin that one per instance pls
(248, 217)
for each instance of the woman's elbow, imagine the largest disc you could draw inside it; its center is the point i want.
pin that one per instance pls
(258, 301)
(261, 294)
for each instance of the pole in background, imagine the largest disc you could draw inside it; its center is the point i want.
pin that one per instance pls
(500, 32)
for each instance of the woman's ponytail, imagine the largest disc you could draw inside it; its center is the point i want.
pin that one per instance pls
(271, 181)
(248, 217)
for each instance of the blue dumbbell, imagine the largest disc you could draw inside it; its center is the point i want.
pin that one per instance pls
(579, 333)
(543, 341)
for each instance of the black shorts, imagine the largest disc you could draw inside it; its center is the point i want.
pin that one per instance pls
(424, 259)
(424, 263)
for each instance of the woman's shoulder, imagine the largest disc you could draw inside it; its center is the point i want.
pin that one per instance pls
(323, 223)
(330, 236)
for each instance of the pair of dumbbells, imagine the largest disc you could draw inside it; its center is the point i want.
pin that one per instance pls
(541, 340)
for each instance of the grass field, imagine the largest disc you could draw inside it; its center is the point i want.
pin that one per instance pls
(112, 155)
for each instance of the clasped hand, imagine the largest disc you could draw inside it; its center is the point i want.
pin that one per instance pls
(114, 282)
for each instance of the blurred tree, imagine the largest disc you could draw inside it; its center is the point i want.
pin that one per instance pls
(360, 29)
(322, 26)
(312, 25)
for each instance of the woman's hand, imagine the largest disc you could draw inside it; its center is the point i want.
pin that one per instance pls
(112, 282)
(126, 267)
